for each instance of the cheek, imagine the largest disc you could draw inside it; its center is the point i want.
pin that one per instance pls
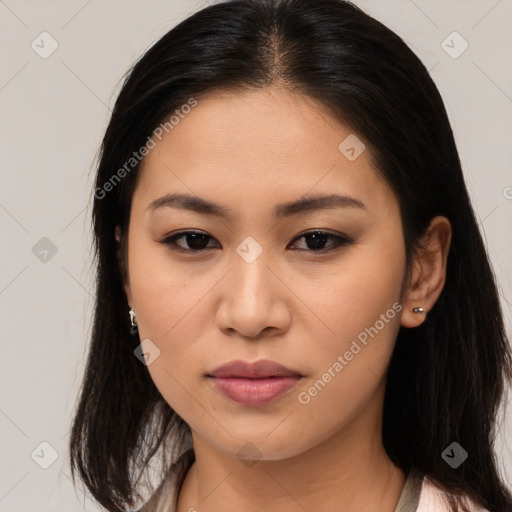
(364, 287)
(164, 295)
(349, 366)
(171, 314)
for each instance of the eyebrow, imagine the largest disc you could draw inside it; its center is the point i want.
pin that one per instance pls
(301, 206)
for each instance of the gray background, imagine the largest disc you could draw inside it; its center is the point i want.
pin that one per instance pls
(54, 113)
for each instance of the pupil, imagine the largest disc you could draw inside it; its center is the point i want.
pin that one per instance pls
(318, 239)
(195, 237)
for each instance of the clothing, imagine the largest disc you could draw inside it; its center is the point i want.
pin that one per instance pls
(418, 495)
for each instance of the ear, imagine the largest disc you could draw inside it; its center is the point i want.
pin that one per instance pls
(428, 273)
(126, 282)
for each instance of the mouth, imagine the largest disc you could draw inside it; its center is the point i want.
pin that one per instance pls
(254, 384)
(261, 369)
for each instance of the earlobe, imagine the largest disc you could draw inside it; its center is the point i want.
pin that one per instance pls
(429, 273)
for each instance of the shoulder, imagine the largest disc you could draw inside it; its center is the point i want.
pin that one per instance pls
(165, 498)
(433, 499)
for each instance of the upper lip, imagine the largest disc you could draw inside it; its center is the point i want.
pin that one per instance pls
(257, 369)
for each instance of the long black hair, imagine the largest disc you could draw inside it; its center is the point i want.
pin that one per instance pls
(446, 378)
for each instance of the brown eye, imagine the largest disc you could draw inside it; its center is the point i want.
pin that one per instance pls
(195, 240)
(317, 239)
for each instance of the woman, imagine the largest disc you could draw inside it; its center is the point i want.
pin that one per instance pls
(295, 308)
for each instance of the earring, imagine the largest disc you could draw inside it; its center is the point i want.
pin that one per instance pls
(133, 329)
(418, 310)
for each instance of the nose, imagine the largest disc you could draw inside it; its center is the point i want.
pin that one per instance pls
(255, 300)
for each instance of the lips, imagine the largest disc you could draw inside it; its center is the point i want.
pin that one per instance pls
(258, 369)
(254, 384)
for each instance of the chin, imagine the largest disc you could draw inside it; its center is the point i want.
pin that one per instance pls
(251, 448)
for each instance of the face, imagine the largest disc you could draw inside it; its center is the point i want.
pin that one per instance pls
(314, 288)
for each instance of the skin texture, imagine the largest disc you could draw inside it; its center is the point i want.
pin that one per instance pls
(250, 151)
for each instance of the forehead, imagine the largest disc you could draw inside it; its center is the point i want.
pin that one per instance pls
(269, 122)
(252, 146)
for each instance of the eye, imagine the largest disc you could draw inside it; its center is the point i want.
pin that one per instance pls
(318, 238)
(197, 241)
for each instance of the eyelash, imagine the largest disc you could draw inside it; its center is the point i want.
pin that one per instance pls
(341, 240)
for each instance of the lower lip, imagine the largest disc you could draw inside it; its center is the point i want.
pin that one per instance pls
(254, 392)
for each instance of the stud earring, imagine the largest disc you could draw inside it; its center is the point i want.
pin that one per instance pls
(134, 328)
(418, 310)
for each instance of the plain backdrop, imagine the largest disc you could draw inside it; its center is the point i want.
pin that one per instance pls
(54, 110)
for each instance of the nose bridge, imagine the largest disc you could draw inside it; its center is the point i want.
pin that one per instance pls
(251, 273)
